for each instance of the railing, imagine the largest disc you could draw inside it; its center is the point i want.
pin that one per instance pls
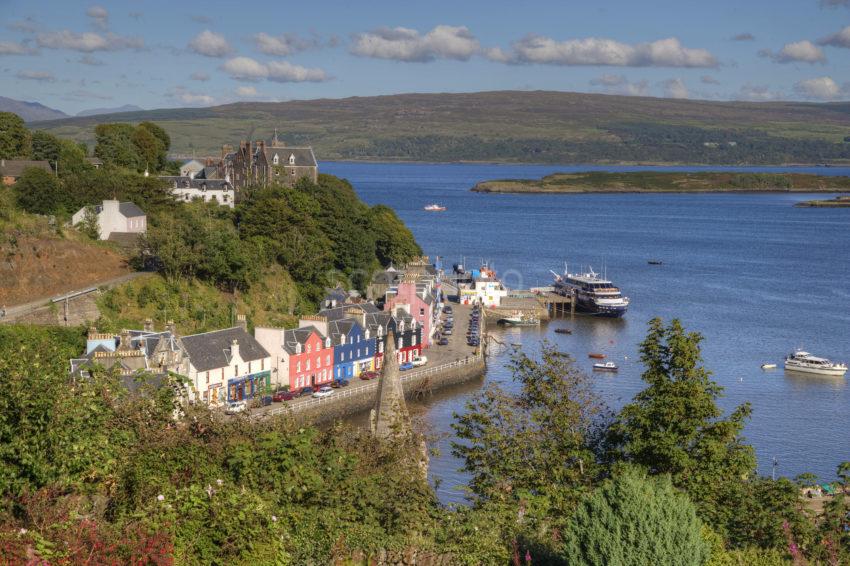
(410, 375)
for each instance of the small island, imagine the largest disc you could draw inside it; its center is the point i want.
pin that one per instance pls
(669, 182)
(837, 202)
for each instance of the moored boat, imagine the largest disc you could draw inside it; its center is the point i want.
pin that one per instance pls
(592, 294)
(435, 208)
(768, 366)
(804, 362)
(563, 331)
(596, 356)
(605, 366)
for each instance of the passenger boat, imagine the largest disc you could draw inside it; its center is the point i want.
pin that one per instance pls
(593, 294)
(606, 366)
(435, 208)
(597, 356)
(804, 362)
(768, 366)
(655, 262)
(563, 331)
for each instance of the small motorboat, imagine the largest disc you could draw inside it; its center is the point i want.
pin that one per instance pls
(768, 366)
(563, 331)
(435, 208)
(655, 262)
(606, 366)
(596, 356)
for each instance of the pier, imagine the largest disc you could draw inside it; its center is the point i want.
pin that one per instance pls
(541, 303)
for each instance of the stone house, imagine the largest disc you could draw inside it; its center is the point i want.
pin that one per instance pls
(115, 219)
(12, 169)
(260, 164)
(227, 365)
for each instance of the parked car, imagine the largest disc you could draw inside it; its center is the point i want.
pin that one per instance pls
(419, 361)
(337, 383)
(405, 366)
(306, 391)
(283, 396)
(236, 407)
(367, 375)
(447, 332)
(264, 401)
(323, 392)
(447, 309)
(443, 342)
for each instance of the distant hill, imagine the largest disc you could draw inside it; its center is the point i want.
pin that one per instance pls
(540, 126)
(97, 111)
(30, 111)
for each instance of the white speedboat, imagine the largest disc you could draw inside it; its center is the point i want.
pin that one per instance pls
(605, 366)
(768, 366)
(435, 208)
(804, 362)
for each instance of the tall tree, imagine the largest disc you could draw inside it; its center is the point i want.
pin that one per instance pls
(14, 137)
(394, 241)
(674, 426)
(115, 146)
(45, 146)
(39, 192)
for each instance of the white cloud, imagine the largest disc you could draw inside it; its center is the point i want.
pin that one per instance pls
(619, 84)
(709, 80)
(605, 52)
(838, 39)
(246, 92)
(404, 44)
(757, 93)
(99, 16)
(27, 25)
(41, 76)
(820, 88)
(247, 69)
(199, 76)
(285, 72)
(798, 52)
(286, 44)
(210, 44)
(15, 48)
(87, 42)
(675, 88)
(191, 98)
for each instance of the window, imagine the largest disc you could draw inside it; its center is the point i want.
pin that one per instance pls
(298, 367)
(308, 365)
(328, 360)
(318, 362)
(309, 348)
(291, 160)
(276, 159)
(236, 370)
(421, 311)
(249, 367)
(358, 352)
(208, 378)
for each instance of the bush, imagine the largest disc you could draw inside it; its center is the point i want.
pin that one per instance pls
(636, 520)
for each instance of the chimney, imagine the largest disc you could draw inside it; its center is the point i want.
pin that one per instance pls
(124, 340)
(92, 332)
(148, 325)
(170, 327)
(320, 322)
(357, 314)
(234, 349)
(242, 322)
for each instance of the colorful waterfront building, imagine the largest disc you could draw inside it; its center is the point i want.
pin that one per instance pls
(302, 357)
(354, 348)
(416, 295)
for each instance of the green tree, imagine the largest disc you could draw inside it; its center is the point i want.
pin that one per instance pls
(45, 146)
(148, 148)
(90, 225)
(394, 241)
(115, 146)
(636, 520)
(163, 143)
(72, 160)
(532, 452)
(674, 426)
(39, 192)
(14, 137)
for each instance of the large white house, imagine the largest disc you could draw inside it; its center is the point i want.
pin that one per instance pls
(114, 218)
(186, 189)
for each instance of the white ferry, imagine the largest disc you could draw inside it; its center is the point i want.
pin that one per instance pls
(804, 362)
(435, 208)
(594, 294)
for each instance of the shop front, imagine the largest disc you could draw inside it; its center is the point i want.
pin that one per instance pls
(247, 386)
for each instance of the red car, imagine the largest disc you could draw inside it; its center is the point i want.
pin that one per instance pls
(283, 396)
(367, 375)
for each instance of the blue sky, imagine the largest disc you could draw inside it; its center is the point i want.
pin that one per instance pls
(154, 54)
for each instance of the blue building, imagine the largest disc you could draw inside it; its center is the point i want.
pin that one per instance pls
(354, 348)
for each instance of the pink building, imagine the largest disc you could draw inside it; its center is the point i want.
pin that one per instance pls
(416, 298)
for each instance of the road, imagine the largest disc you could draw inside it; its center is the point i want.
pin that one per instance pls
(15, 311)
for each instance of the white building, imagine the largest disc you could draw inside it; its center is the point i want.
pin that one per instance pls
(114, 218)
(227, 365)
(487, 291)
(187, 189)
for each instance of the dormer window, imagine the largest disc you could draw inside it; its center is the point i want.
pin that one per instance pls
(327, 342)
(342, 339)
(366, 334)
(276, 159)
(298, 348)
(292, 159)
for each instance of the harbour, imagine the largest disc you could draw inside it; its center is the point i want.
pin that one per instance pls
(754, 275)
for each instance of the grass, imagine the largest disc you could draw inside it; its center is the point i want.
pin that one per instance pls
(657, 181)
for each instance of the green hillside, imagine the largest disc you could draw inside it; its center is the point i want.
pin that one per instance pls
(555, 127)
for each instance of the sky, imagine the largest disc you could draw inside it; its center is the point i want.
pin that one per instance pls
(74, 56)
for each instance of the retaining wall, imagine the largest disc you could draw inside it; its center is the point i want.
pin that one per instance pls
(357, 399)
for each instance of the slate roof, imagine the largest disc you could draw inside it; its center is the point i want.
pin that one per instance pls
(15, 167)
(342, 327)
(211, 350)
(304, 156)
(299, 336)
(130, 210)
(182, 182)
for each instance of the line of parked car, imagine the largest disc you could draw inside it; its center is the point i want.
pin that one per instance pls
(473, 335)
(447, 325)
